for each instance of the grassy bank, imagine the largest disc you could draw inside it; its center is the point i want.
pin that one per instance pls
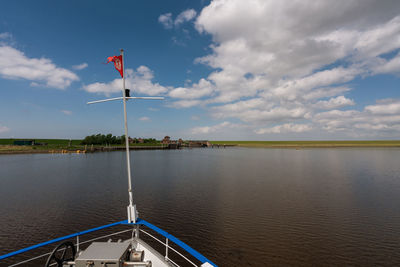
(50, 142)
(57, 146)
(316, 144)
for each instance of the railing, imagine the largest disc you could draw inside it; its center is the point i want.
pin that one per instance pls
(168, 247)
(168, 237)
(181, 244)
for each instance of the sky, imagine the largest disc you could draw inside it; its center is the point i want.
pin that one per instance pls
(228, 69)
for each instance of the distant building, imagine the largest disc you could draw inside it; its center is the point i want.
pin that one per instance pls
(166, 140)
(198, 143)
(140, 140)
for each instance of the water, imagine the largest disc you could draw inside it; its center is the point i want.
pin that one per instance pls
(254, 207)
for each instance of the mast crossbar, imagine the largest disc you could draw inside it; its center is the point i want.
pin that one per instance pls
(131, 97)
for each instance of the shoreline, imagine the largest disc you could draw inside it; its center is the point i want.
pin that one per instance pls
(10, 150)
(318, 146)
(309, 144)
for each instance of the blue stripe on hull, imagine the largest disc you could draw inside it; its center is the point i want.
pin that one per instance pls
(183, 245)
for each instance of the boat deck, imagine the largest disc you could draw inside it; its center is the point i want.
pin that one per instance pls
(151, 254)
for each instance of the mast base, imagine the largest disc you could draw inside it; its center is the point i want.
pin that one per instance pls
(132, 214)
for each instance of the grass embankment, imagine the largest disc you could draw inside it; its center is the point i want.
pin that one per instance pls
(50, 142)
(310, 144)
(46, 146)
(56, 146)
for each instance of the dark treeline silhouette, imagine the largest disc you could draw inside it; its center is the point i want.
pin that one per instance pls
(101, 139)
(141, 140)
(109, 139)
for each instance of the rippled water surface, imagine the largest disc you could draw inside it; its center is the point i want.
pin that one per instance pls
(256, 207)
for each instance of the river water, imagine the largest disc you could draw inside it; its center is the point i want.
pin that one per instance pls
(237, 206)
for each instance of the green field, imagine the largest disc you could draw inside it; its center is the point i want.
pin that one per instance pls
(59, 145)
(299, 144)
(61, 142)
(55, 146)
(64, 142)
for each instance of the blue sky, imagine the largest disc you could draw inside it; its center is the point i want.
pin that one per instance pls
(229, 70)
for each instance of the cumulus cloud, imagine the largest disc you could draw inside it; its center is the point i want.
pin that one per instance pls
(184, 16)
(4, 129)
(382, 118)
(388, 66)
(285, 128)
(294, 44)
(281, 62)
(286, 66)
(261, 114)
(333, 103)
(385, 107)
(168, 22)
(14, 64)
(5, 35)
(67, 112)
(184, 103)
(144, 119)
(139, 81)
(215, 128)
(201, 89)
(80, 66)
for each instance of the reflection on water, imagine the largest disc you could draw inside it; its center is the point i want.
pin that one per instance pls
(237, 205)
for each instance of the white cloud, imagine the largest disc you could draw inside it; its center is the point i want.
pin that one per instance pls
(166, 20)
(184, 103)
(214, 128)
(390, 66)
(5, 35)
(201, 89)
(242, 106)
(333, 103)
(184, 16)
(283, 43)
(67, 112)
(381, 119)
(144, 119)
(276, 65)
(385, 107)
(139, 81)
(297, 87)
(4, 129)
(262, 115)
(41, 71)
(285, 128)
(80, 66)
(281, 62)
(325, 92)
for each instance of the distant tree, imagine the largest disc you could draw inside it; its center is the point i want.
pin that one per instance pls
(101, 139)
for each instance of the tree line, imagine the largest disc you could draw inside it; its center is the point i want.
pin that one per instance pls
(101, 139)
(109, 139)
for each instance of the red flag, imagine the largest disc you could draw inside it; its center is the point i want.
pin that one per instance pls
(117, 64)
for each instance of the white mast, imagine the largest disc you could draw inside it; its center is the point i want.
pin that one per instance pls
(132, 212)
